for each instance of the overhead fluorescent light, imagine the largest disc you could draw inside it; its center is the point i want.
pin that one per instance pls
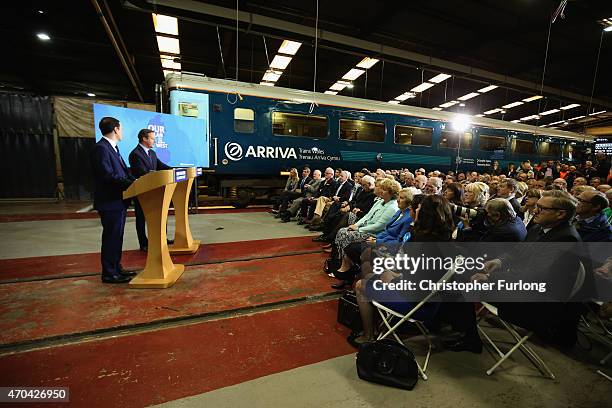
(331, 92)
(394, 102)
(404, 96)
(597, 113)
(43, 36)
(555, 123)
(533, 98)
(439, 78)
(168, 62)
(608, 28)
(468, 96)
(165, 24)
(549, 112)
(338, 86)
(487, 88)
(168, 72)
(448, 104)
(353, 74)
(436, 109)
(480, 115)
(280, 62)
(91, 94)
(266, 83)
(512, 105)
(531, 117)
(577, 117)
(571, 106)
(516, 121)
(168, 45)
(271, 76)
(420, 88)
(489, 112)
(289, 47)
(367, 63)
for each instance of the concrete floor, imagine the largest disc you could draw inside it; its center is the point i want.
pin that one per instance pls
(455, 380)
(63, 237)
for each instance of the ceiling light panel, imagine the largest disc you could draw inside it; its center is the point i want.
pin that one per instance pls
(271, 76)
(512, 105)
(571, 106)
(289, 47)
(439, 78)
(367, 63)
(549, 112)
(165, 24)
(337, 86)
(331, 92)
(168, 62)
(266, 83)
(533, 98)
(280, 62)
(353, 74)
(489, 112)
(420, 88)
(168, 45)
(449, 104)
(487, 88)
(468, 96)
(394, 102)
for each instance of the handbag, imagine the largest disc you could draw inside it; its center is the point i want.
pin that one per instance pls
(348, 312)
(387, 362)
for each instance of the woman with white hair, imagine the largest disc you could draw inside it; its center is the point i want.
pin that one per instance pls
(472, 226)
(373, 222)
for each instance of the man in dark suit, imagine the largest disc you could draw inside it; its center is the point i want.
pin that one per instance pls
(507, 189)
(143, 160)
(111, 178)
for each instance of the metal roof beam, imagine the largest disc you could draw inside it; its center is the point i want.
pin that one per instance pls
(369, 46)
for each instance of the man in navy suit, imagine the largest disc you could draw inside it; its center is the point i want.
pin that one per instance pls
(111, 178)
(143, 160)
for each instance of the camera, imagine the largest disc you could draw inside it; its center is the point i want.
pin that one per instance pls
(461, 212)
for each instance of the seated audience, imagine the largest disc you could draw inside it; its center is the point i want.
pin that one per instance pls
(591, 221)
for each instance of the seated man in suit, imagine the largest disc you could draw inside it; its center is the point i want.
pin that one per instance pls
(326, 189)
(507, 189)
(111, 178)
(143, 160)
(342, 194)
(591, 221)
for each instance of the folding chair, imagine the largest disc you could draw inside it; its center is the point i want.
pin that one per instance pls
(387, 314)
(521, 340)
(600, 330)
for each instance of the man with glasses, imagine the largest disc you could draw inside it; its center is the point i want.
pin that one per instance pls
(327, 188)
(591, 222)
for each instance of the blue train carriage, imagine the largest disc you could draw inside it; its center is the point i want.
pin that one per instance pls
(259, 132)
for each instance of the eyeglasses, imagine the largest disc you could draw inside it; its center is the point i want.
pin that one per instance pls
(542, 208)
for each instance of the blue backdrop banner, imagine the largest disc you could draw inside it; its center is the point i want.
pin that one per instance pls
(179, 141)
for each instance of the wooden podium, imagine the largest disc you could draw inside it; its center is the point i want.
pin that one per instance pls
(154, 192)
(183, 241)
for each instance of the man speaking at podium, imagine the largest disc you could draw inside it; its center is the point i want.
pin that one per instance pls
(111, 178)
(143, 160)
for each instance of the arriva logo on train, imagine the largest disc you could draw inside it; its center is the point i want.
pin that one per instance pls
(235, 152)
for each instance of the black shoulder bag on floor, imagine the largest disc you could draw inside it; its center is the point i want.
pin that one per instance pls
(348, 312)
(387, 362)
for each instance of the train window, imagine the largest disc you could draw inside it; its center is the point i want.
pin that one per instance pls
(244, 120)
(523, 146)
(297, 125)
(450, 139)
(362, 131)
(412, 135)
(492, 143)
(550, 149)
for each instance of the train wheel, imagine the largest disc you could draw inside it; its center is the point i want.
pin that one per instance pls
(243, 198)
